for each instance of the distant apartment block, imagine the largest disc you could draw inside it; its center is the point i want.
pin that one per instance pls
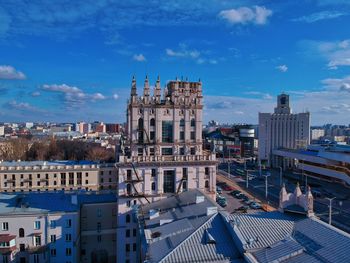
(2, 130)
(161, 155)
(282, 129)
(58, 227)
(83, 127)
(56, 176)
(317, 134)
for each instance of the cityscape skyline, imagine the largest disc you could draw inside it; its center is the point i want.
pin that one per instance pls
(59, 58)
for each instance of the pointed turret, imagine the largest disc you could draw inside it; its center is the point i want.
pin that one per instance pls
(310, 202)
(146, 90)
(297, 194)
(157, 90)
(133, 90)
(283, 197)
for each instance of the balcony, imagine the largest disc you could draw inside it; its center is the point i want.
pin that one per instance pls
(37, 249)
(169, 158)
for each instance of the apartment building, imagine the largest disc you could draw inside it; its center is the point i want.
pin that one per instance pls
(161, 154)
(34, 230)
(77, 228)
(282, 129)
(56, 176)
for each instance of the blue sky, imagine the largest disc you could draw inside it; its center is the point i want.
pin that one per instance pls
(74, 60)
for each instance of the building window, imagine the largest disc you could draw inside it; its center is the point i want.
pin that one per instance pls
(52, 223)
(182, 123)
(127, 233)
(140, 124)
(206, 184)
(71, 178)
(98, 226)
(99, 212)
(206, 170)
(193, 123)
(184, 173)
(182, 151)
(167, 131)
(22, 247)
(21, 232)
(128, 189)
(151, 150)
(169, 181)
(53, 238)
(152, 135)
(99, 238)
(36, 258)
(37, 241)
(38, 176)
(38, 183)
(128, 218)
(37, 225)
(134, 232)
(184, 185)
(53, 252)
(68, 251)
(182, 135)
(152, 122)
(127, 248)
(69, 223)
(167, 151)
(5, 226)
(154, 172)
(63, 178)
(193, 135)
(193, 151)
(153, 186)
(68, 237)
(140, 151)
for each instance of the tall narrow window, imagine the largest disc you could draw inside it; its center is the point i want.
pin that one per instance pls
(21, 232)
(182, 123)
(167, 131)
(193, 123)
(152, 122)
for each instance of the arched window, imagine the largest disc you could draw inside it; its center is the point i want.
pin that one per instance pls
(152, 122)
(193, 123)
(128, 189)
(206, 184)
(128, 219)
(21, 232)
(153, 186)
(182, 123)
(140, 124)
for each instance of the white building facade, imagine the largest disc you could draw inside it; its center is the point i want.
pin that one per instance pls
(282, 129)
(162, 154)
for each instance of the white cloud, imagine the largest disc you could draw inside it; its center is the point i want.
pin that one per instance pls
(184, 52)
(282, 68)
(73, 96)
(35, 94)
(319, 16)
(139, 57)
(337, 84)
(115, 96)
(245, 15)
(22, 106)
(9, 72)
(337, 53)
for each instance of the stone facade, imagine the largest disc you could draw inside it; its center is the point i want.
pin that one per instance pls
(161, 154)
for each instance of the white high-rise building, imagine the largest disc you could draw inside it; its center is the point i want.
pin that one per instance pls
(282, 129)
(161, 155)
(2, 130)
(316, 134)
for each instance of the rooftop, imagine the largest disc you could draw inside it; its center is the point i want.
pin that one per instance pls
(44, 163)
(187, 228)
(40, 202)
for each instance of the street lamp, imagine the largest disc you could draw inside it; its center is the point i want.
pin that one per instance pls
(280, 175)
(266, 190)
(330, 209)
(247, 181)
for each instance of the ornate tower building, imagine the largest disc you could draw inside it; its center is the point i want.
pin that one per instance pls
(161, 154)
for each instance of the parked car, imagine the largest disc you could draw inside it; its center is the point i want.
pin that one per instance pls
(255, 205)
(243, 209)
(219, 190)
(249, 201)
(245, 198)
(220, 197)
(227, 188)
(234, 192)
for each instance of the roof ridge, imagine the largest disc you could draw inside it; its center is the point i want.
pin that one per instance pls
(183, 241)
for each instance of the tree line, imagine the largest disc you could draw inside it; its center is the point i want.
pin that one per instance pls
(28, 150)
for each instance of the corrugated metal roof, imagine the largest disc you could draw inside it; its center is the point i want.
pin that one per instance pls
(196, 249)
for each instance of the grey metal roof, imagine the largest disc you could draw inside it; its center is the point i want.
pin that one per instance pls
(197, 249)
(45, 163)
(262, 229)
(262, 234)
(183, 238)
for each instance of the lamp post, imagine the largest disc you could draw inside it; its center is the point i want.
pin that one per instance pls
(280, 175)
(247, 181)
(330, 209)
(266, 185)
(228, 161)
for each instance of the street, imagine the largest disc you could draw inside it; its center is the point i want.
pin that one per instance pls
(321, 190)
